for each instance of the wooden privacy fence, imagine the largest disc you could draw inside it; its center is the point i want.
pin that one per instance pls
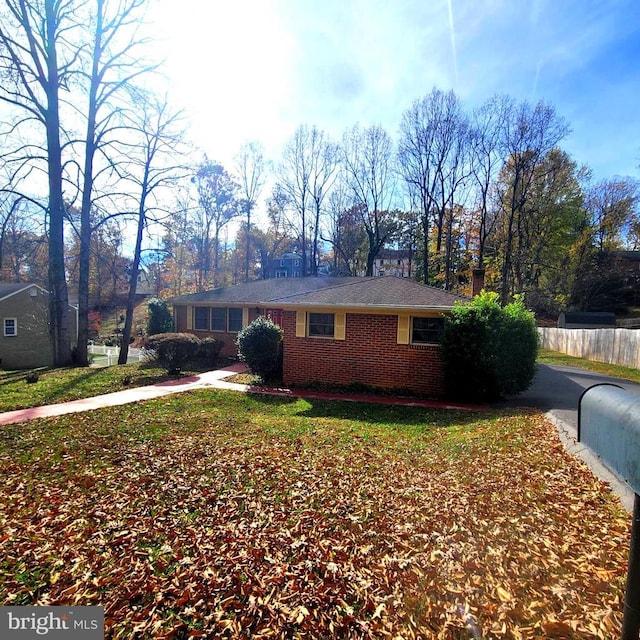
(614, 346)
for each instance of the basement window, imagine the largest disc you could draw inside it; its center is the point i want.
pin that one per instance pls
(321, 325)
(426, 330)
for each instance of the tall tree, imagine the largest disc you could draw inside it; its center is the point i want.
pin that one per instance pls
(293, 179)
(38, 51)
(612, 206)
(250, 167)
(486, 161)
(155, 156)
(219, 203)
(368, 166)
(431, 155)
(113, 64)
(528, 134)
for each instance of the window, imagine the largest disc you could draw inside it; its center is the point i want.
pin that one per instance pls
(235, 319)
(201, 319)
(426, 330)
(10, 327)
(218, 319)
(321, 325)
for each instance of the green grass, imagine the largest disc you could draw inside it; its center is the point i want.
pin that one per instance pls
(62, 385)
(256, 516)
(614, 370)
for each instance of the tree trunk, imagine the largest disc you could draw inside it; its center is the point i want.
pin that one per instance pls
(59, 299)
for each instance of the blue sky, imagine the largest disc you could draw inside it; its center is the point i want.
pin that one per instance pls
(256, 69)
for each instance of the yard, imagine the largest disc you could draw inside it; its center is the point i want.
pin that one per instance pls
(216, 514)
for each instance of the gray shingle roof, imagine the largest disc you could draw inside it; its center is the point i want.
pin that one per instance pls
(384, 292)
(260, 291)
(9, 288)
(387, 292)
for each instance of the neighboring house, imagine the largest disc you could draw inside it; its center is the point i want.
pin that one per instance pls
(393, 262)
(25, 341)
(380, 332)
(288, 265)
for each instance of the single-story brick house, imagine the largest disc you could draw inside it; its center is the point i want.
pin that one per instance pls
(380, 332)
(25, 341)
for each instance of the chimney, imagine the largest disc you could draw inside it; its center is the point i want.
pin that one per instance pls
(477, 283)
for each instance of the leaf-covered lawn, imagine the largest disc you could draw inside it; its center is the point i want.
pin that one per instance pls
(214, 514)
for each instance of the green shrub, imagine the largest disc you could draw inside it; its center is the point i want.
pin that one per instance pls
(488, 351)
(160, 319)
(31, 377)
(260, 346)
(210, 350)
(173, 350)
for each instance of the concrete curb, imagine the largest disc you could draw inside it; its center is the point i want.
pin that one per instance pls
(569, 438)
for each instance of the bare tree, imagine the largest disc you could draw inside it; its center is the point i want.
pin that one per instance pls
(113, 63)
(528, 135)
(325, 158)
(219, 203)
(37, 63)
(433, 140)
(154, 168)
(486, 160)
(368, 166)
(293, 178)
(612, 206)
(250, 166)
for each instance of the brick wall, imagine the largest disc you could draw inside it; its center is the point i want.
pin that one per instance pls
(369, 355)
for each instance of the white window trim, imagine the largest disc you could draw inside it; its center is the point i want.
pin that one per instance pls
(15, 328)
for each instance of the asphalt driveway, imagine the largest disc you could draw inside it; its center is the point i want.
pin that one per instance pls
(557, 390)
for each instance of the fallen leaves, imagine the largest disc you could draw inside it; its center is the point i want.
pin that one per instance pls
(285, 520)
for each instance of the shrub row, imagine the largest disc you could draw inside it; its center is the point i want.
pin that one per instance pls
(173, 351)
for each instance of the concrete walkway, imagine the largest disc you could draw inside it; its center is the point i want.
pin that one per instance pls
(211, 380)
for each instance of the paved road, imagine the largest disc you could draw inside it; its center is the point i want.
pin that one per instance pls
(556, 390)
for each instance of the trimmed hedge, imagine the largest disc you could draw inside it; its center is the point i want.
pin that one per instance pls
(488, 351)
(260, 346)
(173, 350)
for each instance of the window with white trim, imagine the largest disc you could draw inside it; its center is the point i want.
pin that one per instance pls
(10, 327)
(426, 330)
(321, 325)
